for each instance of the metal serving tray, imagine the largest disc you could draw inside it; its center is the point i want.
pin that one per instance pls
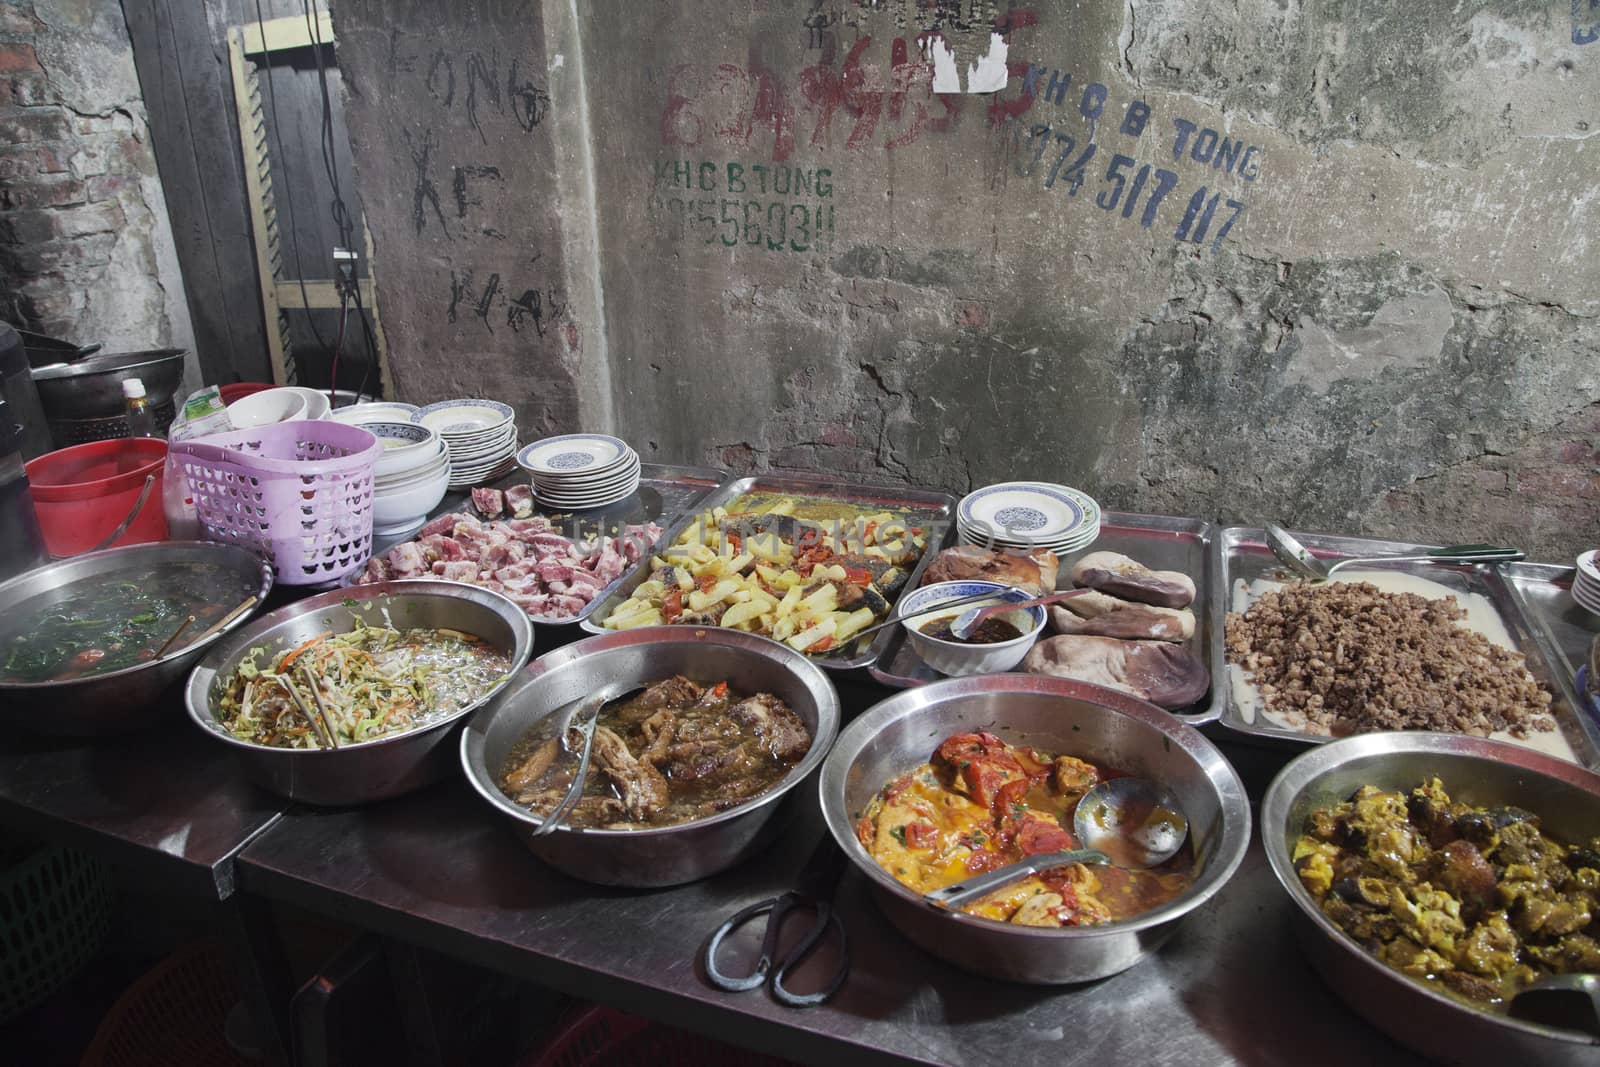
(1564, 630)
(667, 494)
(1160, 542)
(922, 507)
(1243, 556)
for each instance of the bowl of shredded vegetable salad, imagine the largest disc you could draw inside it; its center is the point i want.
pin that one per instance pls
(354, 695)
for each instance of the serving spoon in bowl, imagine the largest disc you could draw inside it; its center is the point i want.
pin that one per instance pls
(1298, 558)
(1131, 823)
(588, 711)
(972, 618)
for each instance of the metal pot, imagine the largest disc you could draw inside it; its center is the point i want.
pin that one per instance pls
(369, 770)
(669, 855)
(1476, 771)
(92, 388)
(134, 697)
(1063, 717)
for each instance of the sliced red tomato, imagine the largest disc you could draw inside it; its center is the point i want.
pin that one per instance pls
(858, 576)
(672, 606)
(705, 582)
(822, 645)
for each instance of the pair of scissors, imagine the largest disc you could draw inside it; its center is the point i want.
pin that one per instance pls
(814, 893)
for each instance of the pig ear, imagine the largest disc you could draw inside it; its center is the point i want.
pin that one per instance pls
(1168, 675)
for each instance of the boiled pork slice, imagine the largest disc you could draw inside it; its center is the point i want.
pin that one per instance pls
(1120, 576)
(1162, 673)
(1099, 615)
(519, 501)
(491, 503)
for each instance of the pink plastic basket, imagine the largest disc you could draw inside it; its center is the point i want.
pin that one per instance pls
(300, 493)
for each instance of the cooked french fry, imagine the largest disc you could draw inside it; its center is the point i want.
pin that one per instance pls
(741, 613)
(847, 625)
(812, 634)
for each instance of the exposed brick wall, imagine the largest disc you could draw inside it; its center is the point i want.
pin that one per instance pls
(84, 238)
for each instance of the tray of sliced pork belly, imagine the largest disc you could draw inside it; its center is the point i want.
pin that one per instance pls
(1141, 624)
(1401, 645)
(555, 565)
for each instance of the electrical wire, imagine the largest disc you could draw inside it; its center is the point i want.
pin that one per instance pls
(342, 219)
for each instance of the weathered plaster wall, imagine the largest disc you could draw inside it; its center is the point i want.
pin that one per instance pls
(1322, 262)
(1397, 333)
(86, 249)
(449, 113)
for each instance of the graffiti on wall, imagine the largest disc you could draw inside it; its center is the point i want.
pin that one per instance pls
(1084, 146)
(464, 201)
(775, 207)
(1585, 21)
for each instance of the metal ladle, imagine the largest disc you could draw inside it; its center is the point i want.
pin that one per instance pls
(1566, 1000)
(1298, 558)
(1130, 823)
(1136, 822)
(589, 710)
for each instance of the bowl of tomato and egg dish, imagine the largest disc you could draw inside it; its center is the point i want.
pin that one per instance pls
(970, 774)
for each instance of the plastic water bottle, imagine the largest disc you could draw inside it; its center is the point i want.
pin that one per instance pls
(141, 420)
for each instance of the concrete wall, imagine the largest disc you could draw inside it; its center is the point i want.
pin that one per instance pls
(1243, 259)
(86, 249)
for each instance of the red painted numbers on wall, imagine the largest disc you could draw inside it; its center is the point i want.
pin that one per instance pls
(860, 101)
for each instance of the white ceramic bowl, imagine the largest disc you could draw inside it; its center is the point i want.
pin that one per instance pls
(266, 407)
(398, 506)
(378, 411)
(411, 481)
(407, 447)
(957, 658)
(317, 403)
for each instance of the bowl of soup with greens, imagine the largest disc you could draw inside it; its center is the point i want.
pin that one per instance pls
(89, 644)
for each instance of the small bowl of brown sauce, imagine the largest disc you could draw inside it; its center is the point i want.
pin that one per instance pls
(998, 644)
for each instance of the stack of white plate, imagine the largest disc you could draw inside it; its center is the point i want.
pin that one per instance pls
(581, 470)
(410, 478)
(373, 411)
(1022, 516)
(1586, 582)
(480, 435)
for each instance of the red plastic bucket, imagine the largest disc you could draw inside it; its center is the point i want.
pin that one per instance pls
(240, 390)
(81, 494)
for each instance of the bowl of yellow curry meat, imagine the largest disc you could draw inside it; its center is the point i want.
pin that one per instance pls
(968, 775)
(1438, 876)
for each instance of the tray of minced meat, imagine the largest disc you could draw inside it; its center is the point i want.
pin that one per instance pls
(1385, 646)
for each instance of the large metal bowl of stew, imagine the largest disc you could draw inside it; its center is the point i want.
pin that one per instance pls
(1116, 733)
(725, 785)
(357, 694)
(79, 639)
(1507, 785)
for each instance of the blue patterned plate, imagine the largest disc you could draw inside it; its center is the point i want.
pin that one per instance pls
(576, 457)
(464, 418)
(1035, 511)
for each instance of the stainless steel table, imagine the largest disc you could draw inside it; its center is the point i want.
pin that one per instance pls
(434, 870)
(167, 806)
(165, 803)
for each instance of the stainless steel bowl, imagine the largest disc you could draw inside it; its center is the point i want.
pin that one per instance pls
(1055, 715)
(1564, 796)
(92, 387)
(370, 770)
(129, 699)
(669, 855)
